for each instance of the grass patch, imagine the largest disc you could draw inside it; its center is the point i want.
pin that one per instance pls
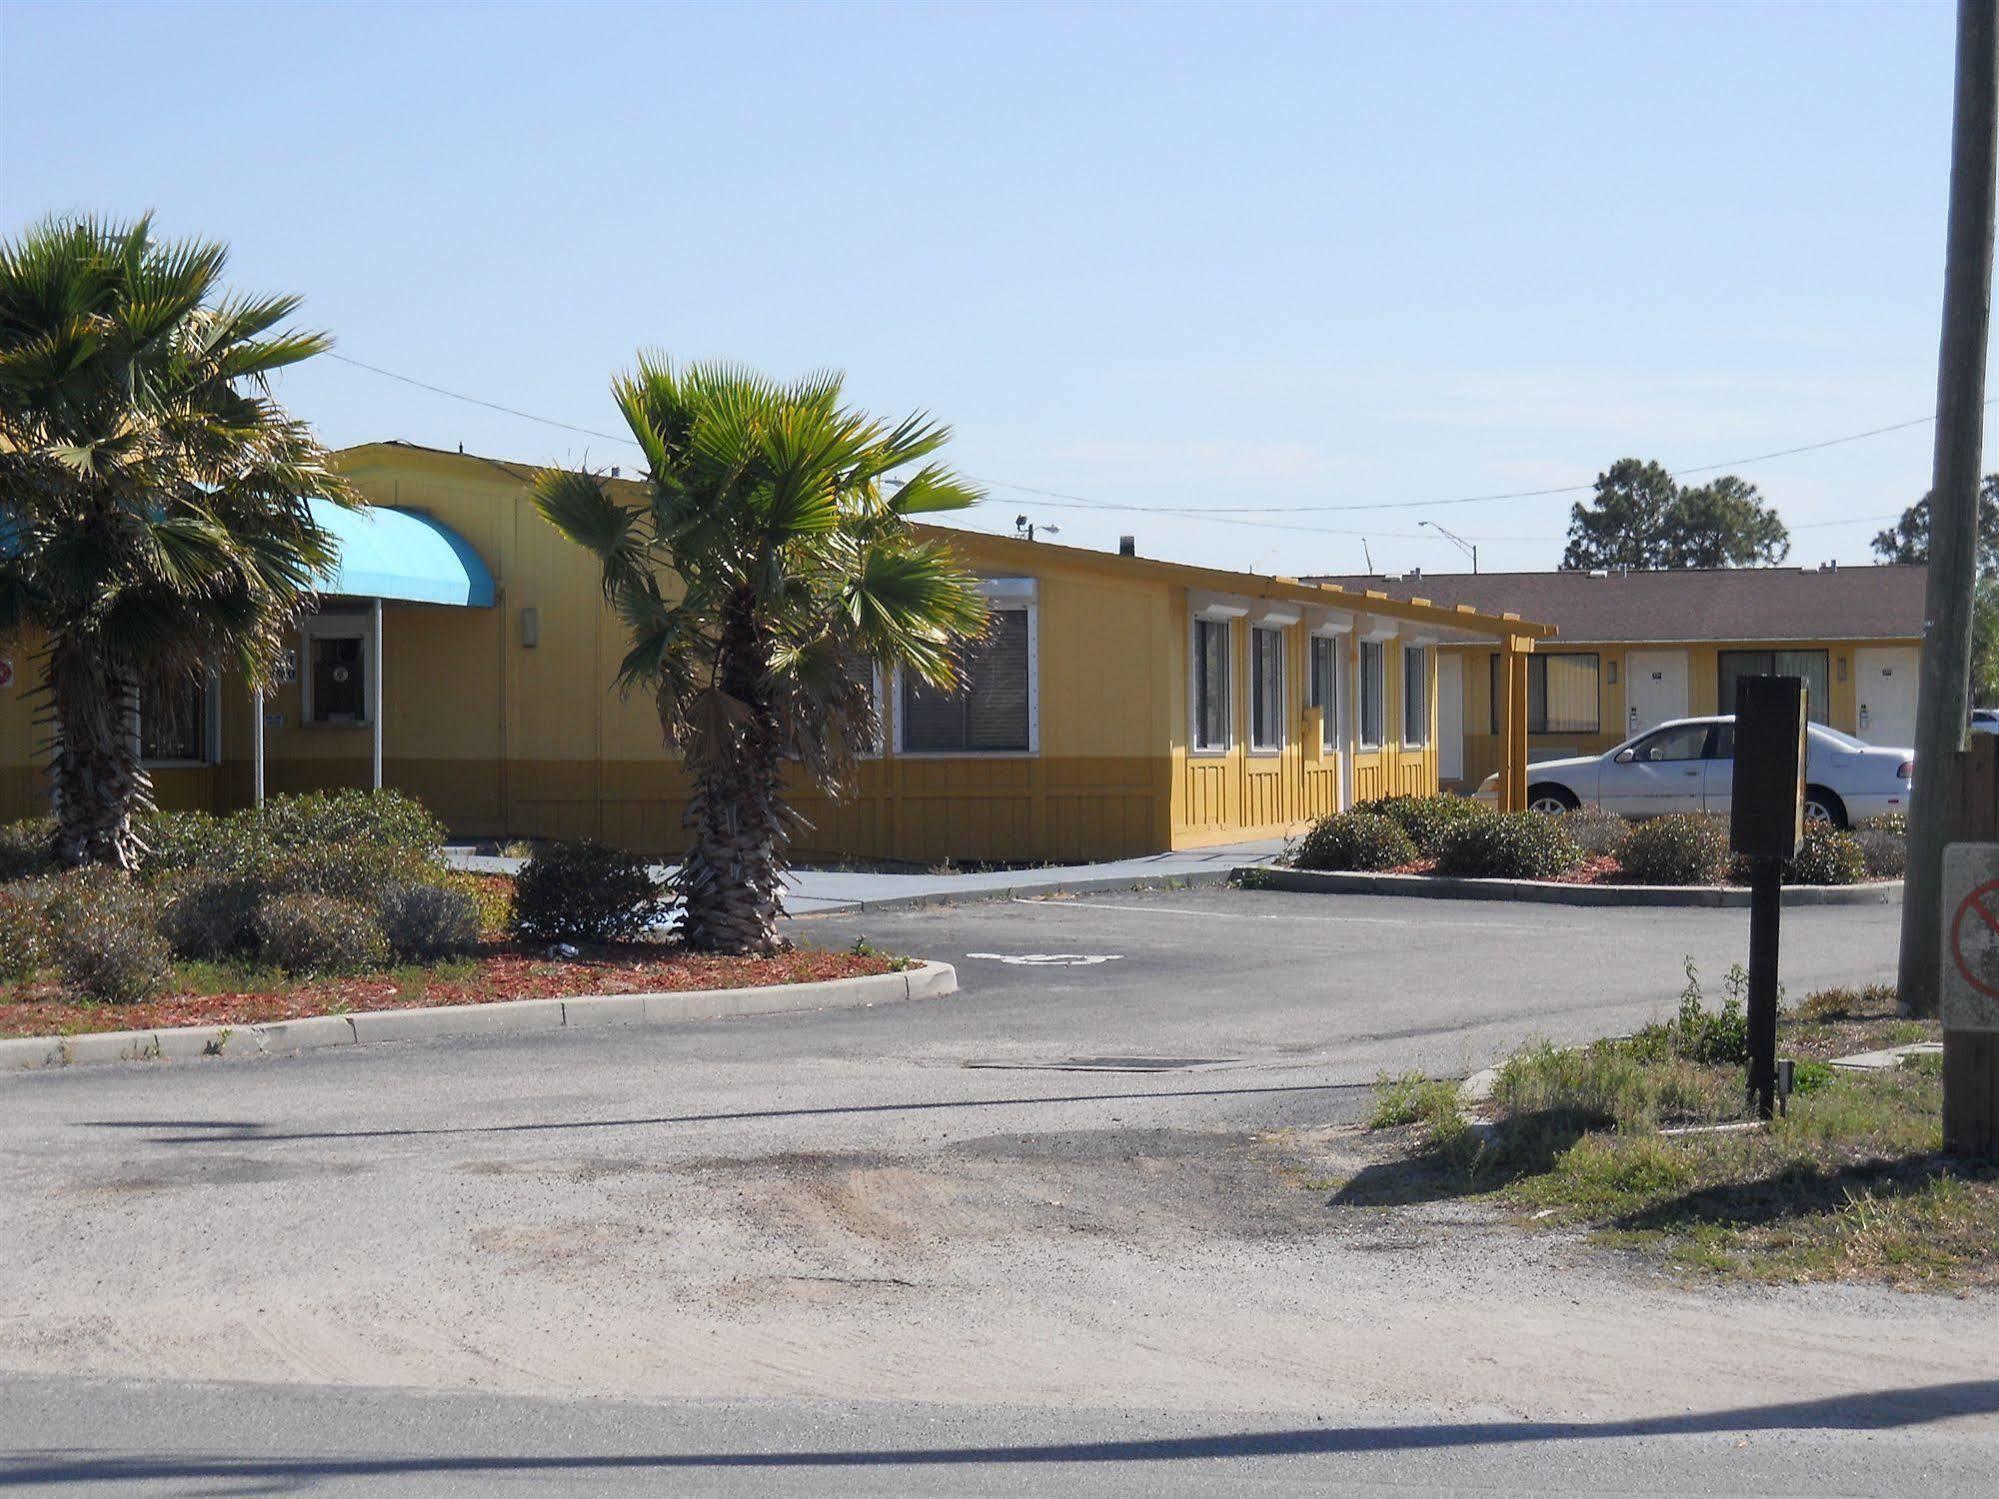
(1850, 1184)
(1410, 1098)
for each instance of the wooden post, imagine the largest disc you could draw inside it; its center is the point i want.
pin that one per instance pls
(1504, 687)
(1943, 697)
(1970, 1058)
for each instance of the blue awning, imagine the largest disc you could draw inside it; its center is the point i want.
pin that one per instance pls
(395, 554)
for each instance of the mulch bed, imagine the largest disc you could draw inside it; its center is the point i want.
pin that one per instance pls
(1597, 869)
(499, 971)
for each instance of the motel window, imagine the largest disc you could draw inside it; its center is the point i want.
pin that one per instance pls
(1562, 695)
(1415, 695)
(1266, 671)
(1372, 681)
(1810, 665)
(1324, 688)
(334, 678)
(991, 713)
(1211, 685)
(178, 726)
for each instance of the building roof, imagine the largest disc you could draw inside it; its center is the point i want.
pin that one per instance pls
(1444, 620)
(1686, 605)
(394, 554)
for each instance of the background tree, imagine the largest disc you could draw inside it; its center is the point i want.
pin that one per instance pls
(1640, 517)
(767, 562)
(153, 496)
(1723, 523)
(1908, 540)
(1625, 524)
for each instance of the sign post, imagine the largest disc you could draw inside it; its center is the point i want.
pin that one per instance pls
(1766, 825)
(1968, 975)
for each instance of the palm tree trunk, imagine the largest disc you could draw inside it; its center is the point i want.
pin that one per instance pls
(731, 882)
(97, 783)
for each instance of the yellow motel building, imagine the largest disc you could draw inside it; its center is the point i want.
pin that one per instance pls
(1638, 648)
(1121, 705)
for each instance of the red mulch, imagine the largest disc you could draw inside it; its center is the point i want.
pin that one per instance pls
(499, 971)
(1596, 869)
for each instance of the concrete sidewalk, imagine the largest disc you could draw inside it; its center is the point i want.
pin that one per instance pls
(815, 891)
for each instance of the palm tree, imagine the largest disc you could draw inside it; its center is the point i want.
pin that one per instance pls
(765, 563)
(153, 496)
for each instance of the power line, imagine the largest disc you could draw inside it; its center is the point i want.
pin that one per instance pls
(1059, 499)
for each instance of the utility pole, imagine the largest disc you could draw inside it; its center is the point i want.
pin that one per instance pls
(1943, 703)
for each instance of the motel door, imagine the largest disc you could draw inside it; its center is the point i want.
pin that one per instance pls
(1450, 717)
(1655, 689)
(1885, 695)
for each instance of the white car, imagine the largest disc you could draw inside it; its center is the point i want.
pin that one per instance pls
(1688, 765)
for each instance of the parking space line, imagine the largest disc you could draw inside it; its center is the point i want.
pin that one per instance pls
(1097, 905)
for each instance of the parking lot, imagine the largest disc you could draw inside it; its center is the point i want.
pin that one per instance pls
(1358, 983)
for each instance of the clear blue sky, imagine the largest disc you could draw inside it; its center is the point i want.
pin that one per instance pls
(1167, 255)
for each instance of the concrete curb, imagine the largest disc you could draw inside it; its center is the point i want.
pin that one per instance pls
(1548, 892)
(279, 1037)
(1192, 880)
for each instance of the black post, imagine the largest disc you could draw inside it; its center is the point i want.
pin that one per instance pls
(1766, 907)
(1766, 825)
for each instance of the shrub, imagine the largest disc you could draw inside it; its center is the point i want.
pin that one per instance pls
(27, 849)
(1508, 845)
(103, 939)
(1351, 840)
(306, 933)
(24, 937)
(423, 922)
(204, 915)
(584, 892)
(178, 841)
(1594, 830)
(386, 822)
(1685, 848)
(1884, 846)
(1428, 819)
(1828, 856)
(351, 844)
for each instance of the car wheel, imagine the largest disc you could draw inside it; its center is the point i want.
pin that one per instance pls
(1551, 801)
(1823, 808)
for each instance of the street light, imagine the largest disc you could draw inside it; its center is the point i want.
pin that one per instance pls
(1456, 540)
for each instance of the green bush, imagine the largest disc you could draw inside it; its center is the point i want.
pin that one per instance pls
(1685, 848)
(1594, 830)
(24, 937)
(1720, 1038)
(305, 933)
(584, 892)
(1508, 845)
(1884, 846)
(425, 922)
(1352, 840)
(1828, 856)
(103, 939)
(1428, 819)
(351, 844)
(27, 849)
(208, 916)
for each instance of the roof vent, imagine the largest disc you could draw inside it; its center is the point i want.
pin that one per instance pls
(1599, 572)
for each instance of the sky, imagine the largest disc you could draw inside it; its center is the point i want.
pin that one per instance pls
(1253, 283)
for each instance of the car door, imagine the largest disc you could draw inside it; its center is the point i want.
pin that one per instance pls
(1666, 771)
(1718, 779)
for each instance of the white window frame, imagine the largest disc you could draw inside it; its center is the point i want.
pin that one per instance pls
(359, 627)
(211, 729)
(1418, 645)
(1207, 609)
(1002, 595)
(1274, 718)
(1329, 712)
(1378, 637)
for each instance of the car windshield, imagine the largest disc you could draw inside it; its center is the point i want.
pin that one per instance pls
(1844, 741)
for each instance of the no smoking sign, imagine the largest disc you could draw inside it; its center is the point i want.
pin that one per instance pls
(1971, 937)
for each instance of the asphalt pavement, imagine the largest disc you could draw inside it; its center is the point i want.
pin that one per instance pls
(1062, 1232)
